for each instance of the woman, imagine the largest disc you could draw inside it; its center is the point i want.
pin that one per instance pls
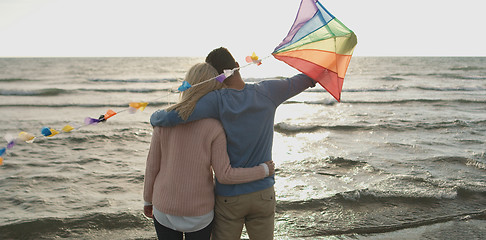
(178, 176)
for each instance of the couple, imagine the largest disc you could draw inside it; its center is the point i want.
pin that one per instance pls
(178, 177)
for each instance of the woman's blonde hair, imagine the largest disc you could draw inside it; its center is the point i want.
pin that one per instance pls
(198, 73)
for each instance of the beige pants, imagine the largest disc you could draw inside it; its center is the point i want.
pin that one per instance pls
(255, 210)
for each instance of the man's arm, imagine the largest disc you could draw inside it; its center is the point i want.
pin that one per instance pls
(228, 175)
(206, 107)
(281, 90)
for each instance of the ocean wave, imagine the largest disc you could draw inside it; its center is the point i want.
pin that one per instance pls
(255, 80)
(467, 68)
(405, 74)
(337, 216)
(53, 227)
(452, 89)
(408, 190)
(122, 90)
(396, 89)
(423, 100)
(411, 190)
(287, 128)
(316, 89)
(475, 77)
(353, 212)
(133, 80)
(443, 124)
(394, 102)
(95, 137)
(47, 92)
(401, 188)
(391, 78)
(130, 177)
(461, 160)
(16, 80)
(377, 89)
(456, 76)
(89, 138)
(327, 219)
(393, 89)
(343, 162)
(82, 105)
(399, 88)
(328, 102)
(364, 229)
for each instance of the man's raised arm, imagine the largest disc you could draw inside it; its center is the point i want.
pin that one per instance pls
(281, 90)
(206, 107)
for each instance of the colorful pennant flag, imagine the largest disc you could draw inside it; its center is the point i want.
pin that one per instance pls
(318, 45)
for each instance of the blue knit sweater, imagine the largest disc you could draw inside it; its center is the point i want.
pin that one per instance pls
(247, 116)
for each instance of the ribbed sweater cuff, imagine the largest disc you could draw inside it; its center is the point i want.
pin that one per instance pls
(267, 171)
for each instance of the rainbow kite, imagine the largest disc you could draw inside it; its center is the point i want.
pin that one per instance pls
(319, 46)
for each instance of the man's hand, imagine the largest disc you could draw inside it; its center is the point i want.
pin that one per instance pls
(271, 167)
(148, 211)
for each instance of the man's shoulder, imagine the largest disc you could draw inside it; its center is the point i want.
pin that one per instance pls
(211, 96)
(265, 86)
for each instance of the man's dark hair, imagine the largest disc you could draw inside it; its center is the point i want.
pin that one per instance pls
(221, 59)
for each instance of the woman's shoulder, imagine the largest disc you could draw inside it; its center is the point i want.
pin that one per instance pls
(207, 127)
(209, 124)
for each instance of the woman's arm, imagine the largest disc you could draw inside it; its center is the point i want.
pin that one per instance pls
(152, 166)
(228, 175)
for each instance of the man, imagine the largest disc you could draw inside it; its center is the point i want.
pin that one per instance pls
(247, 113)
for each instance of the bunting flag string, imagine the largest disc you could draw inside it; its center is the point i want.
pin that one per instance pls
(51, 132)
(132, 108)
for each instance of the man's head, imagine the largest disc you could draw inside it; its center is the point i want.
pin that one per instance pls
(221, 59)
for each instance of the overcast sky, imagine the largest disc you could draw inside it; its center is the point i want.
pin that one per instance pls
(33, 28)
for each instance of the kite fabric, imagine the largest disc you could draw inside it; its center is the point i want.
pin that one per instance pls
(318, 45)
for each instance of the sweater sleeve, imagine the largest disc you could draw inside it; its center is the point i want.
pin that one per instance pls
(222, 168)
(281, 90)
(206, 107)
(152, 166)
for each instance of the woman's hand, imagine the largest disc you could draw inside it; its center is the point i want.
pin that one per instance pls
(271, 167)
(148, 211)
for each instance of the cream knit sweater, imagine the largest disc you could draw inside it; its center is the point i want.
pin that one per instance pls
(178, 176)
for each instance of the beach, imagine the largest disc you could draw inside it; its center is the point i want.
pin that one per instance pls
(402, 156)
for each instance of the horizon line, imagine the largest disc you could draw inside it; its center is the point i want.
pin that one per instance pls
(184, 56)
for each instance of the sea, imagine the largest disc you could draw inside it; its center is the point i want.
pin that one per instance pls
(402, 156)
